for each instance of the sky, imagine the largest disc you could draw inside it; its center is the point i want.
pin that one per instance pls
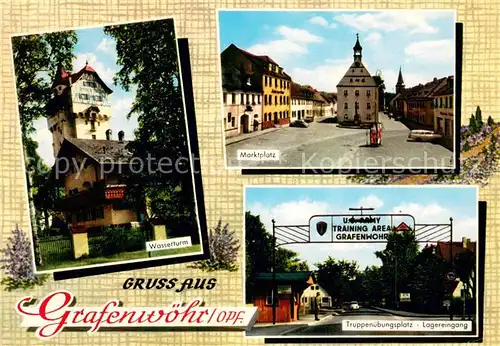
(428, 204)
(99, 50)
(315, 47)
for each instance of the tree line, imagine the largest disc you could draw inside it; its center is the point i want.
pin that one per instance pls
(405, 268)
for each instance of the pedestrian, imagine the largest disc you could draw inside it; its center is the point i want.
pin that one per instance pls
(316, 307)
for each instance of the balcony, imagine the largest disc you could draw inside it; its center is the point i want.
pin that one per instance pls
(98, 194)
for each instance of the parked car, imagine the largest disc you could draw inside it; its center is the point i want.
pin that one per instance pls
(299, 123)
(309, 118)
(354, 305)
(424, 136)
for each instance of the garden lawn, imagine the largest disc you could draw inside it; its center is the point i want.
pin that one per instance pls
(121, 257)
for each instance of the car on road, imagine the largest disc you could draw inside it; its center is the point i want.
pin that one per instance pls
(424, 136)
(299, 123)
(309, 118)
(354, 305)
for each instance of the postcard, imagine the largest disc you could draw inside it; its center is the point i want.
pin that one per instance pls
(362, 262)
(107, 148)
(340, 90)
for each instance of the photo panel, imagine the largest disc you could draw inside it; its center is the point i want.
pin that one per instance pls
(365, 263)
(331, 91)
(110, 149)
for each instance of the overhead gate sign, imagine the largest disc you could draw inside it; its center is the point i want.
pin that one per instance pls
(355, 228)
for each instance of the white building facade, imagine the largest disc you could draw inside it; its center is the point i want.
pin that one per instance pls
(357, 93)
(243, 112)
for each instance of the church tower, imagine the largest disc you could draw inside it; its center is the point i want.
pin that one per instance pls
(79, 107)
(400, 85)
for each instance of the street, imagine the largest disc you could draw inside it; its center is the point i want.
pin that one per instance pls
(331, 324)
(325, 145)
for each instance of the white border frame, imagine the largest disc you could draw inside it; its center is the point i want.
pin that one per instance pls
(312, 337)
(319, 10)
(146, 259)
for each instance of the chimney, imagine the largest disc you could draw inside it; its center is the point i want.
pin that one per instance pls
(108, 134)
(465, 242)
(121, 135)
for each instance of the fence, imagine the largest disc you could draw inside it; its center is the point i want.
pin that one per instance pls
(56, 248)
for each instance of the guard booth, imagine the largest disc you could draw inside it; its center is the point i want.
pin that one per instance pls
(290, 287)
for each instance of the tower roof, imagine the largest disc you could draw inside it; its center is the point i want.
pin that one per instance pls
(400, 78)
(357, 46)
(64, 77)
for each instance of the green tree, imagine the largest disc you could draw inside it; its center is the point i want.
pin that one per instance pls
(148, 60)
(397, 259)
(36, 58)
(426, 285)
(491, 122)
(465, 266)
(478, 119)
(259, 251)
(371, 285)
(337, 277)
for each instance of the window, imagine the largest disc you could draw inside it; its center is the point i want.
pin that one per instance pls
(224, 98)
(275, 100)
(281, 83)
(362, 80)
(345, 106)
(346, 116)
(258, 99)
(270, 300)
(90, 84)
(233, 98)
(356, 93)
(281, 100)
(248, 99)
(232, 122)
(368, 92)
(265, 80)
(451, 102)
(276, 82)
(368, 105)
(265, 99)
(94, 137)
(92, 125)
(253, 99)
(368, 117)
(98, 98)
(346, 93)
(270, 99)
(84, 97)
(229, 117)
(351, 80)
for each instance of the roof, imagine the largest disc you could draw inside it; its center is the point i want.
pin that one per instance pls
(298, 91)
(261, 61)
(446, 89)
(357, 46)
(359, 75)
(330, 97)
(400, 78)
(100, 150)
(301, 276)
(424, 90)
(443, 249)
(64, 77)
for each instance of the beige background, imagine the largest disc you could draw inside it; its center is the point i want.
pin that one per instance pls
(196, 20)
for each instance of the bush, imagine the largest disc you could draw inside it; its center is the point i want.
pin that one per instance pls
(116, 239)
